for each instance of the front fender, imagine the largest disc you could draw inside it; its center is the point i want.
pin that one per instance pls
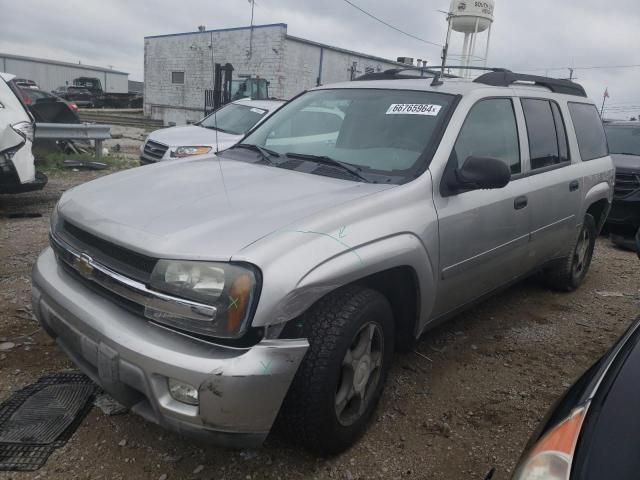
(349, 266)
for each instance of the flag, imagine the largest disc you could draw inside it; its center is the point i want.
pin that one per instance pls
(606, 92)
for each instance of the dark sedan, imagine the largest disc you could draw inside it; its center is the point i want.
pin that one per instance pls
(49, 108)
(624, 144)
(593, 432)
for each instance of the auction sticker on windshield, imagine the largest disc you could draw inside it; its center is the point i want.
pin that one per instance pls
(258, 111)
(413, 109)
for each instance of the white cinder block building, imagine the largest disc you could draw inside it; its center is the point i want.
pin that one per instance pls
(51, 74)
(178, 68)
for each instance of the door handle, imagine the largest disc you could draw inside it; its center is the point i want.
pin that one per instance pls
(574, 185)
(520, 202)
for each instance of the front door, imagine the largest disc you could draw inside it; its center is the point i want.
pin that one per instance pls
(483, 234)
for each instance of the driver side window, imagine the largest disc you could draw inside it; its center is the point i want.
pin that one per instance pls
(490, 130)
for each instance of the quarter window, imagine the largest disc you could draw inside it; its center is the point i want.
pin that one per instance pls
(177, 77)
(592, 141)
(490, 130)
(547, 134)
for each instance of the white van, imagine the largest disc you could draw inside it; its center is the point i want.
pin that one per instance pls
(17, 169)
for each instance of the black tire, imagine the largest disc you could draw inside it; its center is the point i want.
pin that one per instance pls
(332, 326)
(568, 273)
(624, 242)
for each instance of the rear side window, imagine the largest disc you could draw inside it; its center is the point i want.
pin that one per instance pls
(490, 130)
(546, 132)
(589, 131)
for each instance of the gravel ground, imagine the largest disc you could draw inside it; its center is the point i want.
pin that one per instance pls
(466, 402)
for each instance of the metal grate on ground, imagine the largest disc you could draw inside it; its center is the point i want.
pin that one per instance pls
(42, 417)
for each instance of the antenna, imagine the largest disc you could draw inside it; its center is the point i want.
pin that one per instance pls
(213, 84)
(215, 122)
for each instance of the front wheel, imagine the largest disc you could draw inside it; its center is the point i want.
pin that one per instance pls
(339, 383)
(567, 274)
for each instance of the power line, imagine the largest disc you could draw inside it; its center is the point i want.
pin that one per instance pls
(591, 67)
(392, 26)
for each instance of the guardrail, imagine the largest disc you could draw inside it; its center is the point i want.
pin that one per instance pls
(119, 119)
(75, 131)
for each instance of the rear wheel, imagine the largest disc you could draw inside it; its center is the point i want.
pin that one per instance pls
(568, 273)
(338, 385)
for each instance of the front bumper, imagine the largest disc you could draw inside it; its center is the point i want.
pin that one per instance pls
(240, 390)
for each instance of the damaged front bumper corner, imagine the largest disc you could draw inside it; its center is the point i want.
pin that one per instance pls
(240, 391)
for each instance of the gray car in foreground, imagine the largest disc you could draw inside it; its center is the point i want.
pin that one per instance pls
(274, 281)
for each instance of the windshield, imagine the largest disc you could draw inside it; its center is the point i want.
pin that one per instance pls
(623, 139)
(234, 118)
(376, 131)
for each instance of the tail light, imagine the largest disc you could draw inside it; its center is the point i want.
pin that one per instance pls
(25, 98)
(72, 106)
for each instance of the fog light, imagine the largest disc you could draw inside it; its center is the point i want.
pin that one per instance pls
(183, 392)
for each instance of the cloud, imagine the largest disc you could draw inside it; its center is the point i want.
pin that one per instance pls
(526, 35)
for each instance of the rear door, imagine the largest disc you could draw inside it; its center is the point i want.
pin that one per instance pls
(555, 182)
(483, 233)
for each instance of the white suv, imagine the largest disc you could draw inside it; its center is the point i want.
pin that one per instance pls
(17, 169)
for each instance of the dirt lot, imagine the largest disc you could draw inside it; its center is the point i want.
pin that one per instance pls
(466, 403)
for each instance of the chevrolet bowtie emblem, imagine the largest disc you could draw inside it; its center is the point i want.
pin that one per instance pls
(83, 265)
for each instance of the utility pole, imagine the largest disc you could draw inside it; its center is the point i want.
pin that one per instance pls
(253, 4)
(571, 74)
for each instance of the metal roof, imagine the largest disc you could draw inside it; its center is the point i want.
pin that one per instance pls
(219, 30)
(344, 50)
(289, 37)
(61, 64)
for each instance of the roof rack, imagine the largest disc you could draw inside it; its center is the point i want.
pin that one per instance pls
(507, 78)
(396, 74)
(472, 67)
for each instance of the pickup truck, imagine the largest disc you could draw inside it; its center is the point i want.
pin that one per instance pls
(102, 99)
(275, 279)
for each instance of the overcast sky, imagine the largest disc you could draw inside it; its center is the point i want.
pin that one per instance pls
(539, 34)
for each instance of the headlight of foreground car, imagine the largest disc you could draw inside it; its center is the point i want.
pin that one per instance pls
(551, 457)
(182, 152)
(230, 289)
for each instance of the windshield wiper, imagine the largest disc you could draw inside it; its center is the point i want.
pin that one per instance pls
(323, 159)
(265, 153)
(218, 129)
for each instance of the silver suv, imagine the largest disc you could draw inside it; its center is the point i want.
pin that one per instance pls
(275, 280)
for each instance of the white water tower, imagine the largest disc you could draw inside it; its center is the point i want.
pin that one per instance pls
(471, 17)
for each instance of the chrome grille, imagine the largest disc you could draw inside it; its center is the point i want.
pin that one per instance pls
(154, 150)
(122, 260)
(626, 183)
(137, 296)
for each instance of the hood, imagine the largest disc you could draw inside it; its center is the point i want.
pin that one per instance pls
(192, 136)
(627, 162)
(206, 208)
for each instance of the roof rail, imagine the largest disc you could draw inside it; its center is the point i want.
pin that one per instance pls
(507, 78)
(396, 74)
(472, 67)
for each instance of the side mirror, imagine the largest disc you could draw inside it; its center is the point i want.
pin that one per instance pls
(480, 173)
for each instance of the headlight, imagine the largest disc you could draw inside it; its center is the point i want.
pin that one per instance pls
(551, 457)
(181, 152)
(230, 289)
(25, 129)
(53, 221)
